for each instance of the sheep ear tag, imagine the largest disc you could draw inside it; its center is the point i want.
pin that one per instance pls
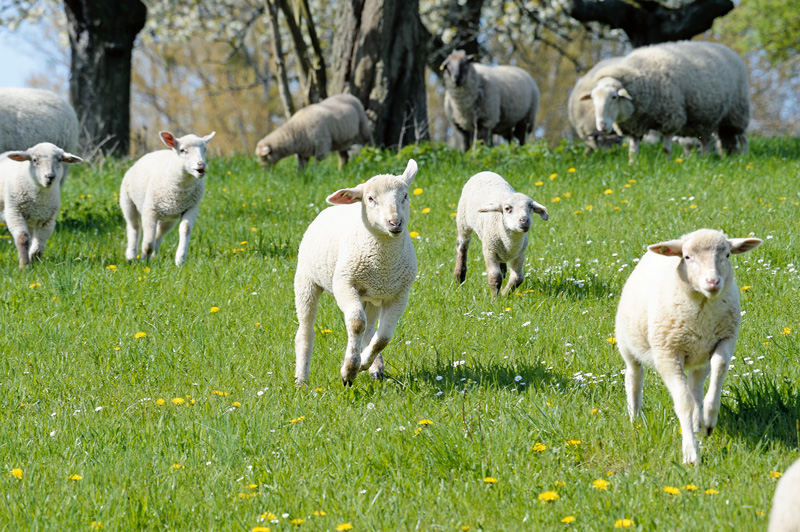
(344, 196)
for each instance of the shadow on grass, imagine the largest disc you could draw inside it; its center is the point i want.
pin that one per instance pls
(758, 410)
(561, 284)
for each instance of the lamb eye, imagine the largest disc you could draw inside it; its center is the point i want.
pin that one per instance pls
(687, 257)
(184, 151)
(508, 208)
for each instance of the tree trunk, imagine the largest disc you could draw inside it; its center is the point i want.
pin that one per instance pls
(280, 64)
(312, 75)
(647, 21)
(101, 36)
(379, 55)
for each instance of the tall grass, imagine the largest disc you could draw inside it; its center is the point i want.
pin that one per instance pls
(146, 396)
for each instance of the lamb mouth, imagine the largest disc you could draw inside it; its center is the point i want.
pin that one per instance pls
(396, 230)
(200, 172)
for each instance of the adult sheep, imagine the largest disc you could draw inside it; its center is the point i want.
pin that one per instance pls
(481, 100)
(335, 123)
(784, 516)
(32, 116)
(581, 114)
(679, 311)
(687, 88)
(361, 252)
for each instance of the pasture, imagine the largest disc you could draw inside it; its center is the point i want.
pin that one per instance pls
(146, 396)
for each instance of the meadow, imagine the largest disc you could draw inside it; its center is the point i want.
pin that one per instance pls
(145, 396)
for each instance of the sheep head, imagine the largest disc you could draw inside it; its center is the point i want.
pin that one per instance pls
(192, 151)
(45, 162)
(457, 67)
(517, 210)
(612, 103)
(705, 258)
(385, 204)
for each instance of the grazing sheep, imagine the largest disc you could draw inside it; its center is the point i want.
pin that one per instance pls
(679, 311)
(481, 100)
(359, 251)
(161, 189)
(501, 217)
(580, 111)
(32, 116)
(688, 88)
(785, 513)
(335, 123)
(30, 195)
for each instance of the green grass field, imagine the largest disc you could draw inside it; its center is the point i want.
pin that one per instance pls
(146, 396)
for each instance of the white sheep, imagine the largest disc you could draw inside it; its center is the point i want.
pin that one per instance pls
(679, 311)
(30, 195)
(501, 217)
(161, 189)
(335, 123)
(32, 116)
(361, 252)
(687, 88)
(785, 513)
(482, 100)
(581, 114)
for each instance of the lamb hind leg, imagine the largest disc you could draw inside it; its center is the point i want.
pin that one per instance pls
(462, 247)
(306, 298)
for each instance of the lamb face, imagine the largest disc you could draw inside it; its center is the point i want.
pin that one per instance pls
(517, 210)
(45, 162)
(191, 149)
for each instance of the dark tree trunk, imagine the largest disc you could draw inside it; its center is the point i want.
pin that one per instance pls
(647, 21)
(280, 63)
(101, 35)
(379, 56)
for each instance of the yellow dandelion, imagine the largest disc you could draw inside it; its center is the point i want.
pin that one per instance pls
(760, 513)
(786, 330)
(538, 183)
(711, 491)
(611, 340)
(34, 285)
(548, 496)
(571, 170)
(326, 331)
(600, 484)
(490, 480)
(578, 212)
(426, 210)
(344, 526)
(76, 477)
(413, 234)
(236, 404)
(775, 474)
(297, 419)
(214, 309)
(217, 392)
(267, 516)
(573, 442)
(690, 487)
(251, 486)
(672, 490)
(178, 466)
(417, 191)
(766, 343)
(539, 447)
(178, 400)
(553, 176)
(556, 199)
(593, 412)
(111, 267)
(589, 207)
(319, 513)
(297, 522)
(623, 523)
(568, 519)
(139, 335)
(746, 288)
(243, 243)
(16, 473)
(608, 191)
(160, 401)
(678, 160)
(465, 527)
(254, 229)
(260, 529)
(567, 194)
(147, 269)
(425, 422)
(96, 525)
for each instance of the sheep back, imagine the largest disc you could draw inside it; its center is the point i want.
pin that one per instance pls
(687, 88)
(31, 116)
(482, 189)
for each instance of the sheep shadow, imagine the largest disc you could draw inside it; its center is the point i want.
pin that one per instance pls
(758, 409)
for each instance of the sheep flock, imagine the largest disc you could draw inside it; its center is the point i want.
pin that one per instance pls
(679, 310)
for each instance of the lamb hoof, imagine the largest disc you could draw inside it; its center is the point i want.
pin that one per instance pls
(376, 375)
(346, 382)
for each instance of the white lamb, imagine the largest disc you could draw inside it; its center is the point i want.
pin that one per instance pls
(161, 189)
(335, 123)
(687, 88)
(361, 252)
(482, 100)
(33, 116)
(30, 195)
(501, 217)
(679, 311)
(785, 513)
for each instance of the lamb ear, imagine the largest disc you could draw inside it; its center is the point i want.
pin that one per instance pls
(209, 136)
(69, 158)
(587, 96)
(410, 172)
(346, 196)
(540, 209)
(491, 207)
(743, 245)
(19, 156)
(265, 150)
(669, 248)
(169, 139)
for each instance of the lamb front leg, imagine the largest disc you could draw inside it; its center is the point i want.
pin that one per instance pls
(720, 361)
